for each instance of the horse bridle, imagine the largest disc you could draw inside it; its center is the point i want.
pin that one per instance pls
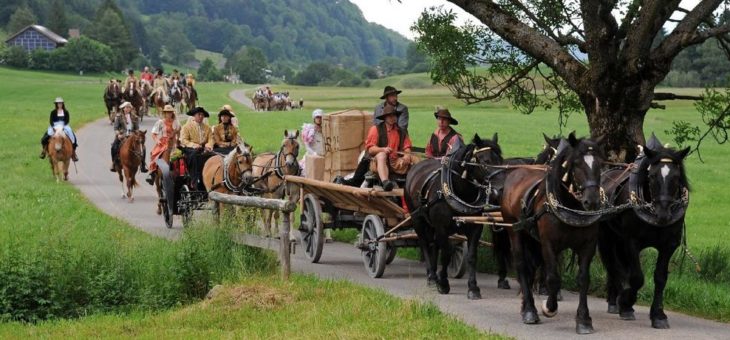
(277, 160)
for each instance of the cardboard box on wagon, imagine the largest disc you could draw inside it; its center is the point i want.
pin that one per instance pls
(314, 166)
(344, 135)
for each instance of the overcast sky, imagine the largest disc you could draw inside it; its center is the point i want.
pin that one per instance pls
(401, 16)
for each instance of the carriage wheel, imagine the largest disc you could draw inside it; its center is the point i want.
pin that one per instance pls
(185, 208)
(375, 256)
(392, 252)
(166, 210)
(311, 228)
(457, 266)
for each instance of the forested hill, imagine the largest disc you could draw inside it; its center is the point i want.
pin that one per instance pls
(292, 31)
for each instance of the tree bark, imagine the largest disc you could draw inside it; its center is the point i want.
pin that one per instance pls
(620, 121)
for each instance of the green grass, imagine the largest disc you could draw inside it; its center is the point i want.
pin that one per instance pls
(61, 258)
(218, 59)
(266, 308)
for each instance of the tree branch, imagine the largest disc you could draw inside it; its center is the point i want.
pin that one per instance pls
(651, 17)
(684, 34)
(672, 96)
(529, 40)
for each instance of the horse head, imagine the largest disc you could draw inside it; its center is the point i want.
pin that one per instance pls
(141, 136)
(665, 179)
(578, 163)
(548, 150)
(290, 148)
(485, 152)
(240, 159)
(113, 90)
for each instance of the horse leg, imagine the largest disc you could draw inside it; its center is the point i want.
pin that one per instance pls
(583, 321)
(120, 172)
(425, 241)
(266, 219)
(607, 247)
(474, 233)
(627, 297)
(551, 279)
(442, 239)
(522, 255)
(656, 313)
(500, 240)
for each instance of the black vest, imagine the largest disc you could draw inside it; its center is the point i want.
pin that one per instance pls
(383, 136)
(440, 150)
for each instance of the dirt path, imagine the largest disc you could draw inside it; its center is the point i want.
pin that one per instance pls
(498, 311)
(241, 97)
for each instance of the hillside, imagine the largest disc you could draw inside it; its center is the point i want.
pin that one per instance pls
(288, 31)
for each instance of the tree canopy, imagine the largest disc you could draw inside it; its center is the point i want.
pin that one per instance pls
(596, 56)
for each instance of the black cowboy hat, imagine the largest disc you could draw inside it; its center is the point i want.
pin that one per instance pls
(444, 113)
(196, 110)
(226, 113)
(389, 90)
(387, 110)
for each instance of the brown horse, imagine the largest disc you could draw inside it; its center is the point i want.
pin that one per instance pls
(112, 98)
(131, 154)
(555, 209)
(135, 97)
(190, 97)
(59, 149)
(158, 99)
(176, 97)
(229, 174)
(270, 169)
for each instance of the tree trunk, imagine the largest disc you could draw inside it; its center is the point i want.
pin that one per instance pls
(618, 119)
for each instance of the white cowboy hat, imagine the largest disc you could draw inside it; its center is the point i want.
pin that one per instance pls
(125, 104)
(58, 100)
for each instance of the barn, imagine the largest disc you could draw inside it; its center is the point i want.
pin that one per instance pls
(34, 37)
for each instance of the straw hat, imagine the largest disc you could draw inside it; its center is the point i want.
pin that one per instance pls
(58, 100)
(228, 108)
(125, 104)
(168, 108)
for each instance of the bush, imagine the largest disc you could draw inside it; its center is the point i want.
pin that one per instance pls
(40, 59)
(16, 56)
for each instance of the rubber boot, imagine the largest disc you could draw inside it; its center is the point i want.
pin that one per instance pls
(74, 157)
(151, 178)
(143, 167)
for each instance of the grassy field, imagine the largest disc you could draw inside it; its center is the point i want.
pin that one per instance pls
(218, 59)
(62, 258)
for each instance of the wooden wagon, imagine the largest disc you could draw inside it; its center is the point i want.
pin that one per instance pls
(383, 222)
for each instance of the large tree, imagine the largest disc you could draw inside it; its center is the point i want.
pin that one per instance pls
(598, 56)
(21, 18)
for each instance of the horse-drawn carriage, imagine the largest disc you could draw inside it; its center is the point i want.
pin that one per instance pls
(179, 195)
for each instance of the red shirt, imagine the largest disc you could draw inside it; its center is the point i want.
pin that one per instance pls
(372, 140)
(146, 76)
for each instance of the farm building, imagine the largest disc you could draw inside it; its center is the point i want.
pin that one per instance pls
(34, 37)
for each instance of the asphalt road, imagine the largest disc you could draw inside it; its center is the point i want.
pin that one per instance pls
(498, 311)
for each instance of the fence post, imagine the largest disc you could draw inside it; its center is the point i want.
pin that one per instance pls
(284, 255)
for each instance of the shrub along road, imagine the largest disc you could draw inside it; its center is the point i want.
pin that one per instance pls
(498, 311)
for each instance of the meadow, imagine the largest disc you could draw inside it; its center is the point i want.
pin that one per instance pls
(70, 270)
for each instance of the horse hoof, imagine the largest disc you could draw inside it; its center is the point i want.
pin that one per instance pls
(627, 315)
(474, 295)
(503, 284)
(660, 323)
(530, 318)
(584, 328)
(546, 311)
(560, 296)
(444, 287)
(431, 282)
(612, 309)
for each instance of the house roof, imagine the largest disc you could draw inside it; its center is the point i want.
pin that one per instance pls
(42, 30)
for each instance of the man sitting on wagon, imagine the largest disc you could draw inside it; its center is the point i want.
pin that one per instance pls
(445, 136)
(197, 144)
(225, 134)
(389, 147)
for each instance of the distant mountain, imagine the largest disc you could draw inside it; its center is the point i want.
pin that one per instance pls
(294, 32)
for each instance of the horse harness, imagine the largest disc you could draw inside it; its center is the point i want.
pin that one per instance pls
(277, 170)
(228, 184)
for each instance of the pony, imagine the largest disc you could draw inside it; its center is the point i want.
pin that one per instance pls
(112, 98)
(189, 97)
(131, 155)
(657, 190)
(176, 97)
(230, 173)
(437, 190)
(59, 150)
(551, 210)
(134, 96)
(270, 169)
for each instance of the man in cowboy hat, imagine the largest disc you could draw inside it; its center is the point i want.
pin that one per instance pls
(197, 142)
(225, 134)
(124, 124)
(389, 147)
(390, 96)
(444, 137)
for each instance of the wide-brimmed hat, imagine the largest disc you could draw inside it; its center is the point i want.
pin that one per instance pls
(125, 104)
(442, 112)
(197, 110)
(387, 110)
(58, 100)
(168, 108)
(389, 90)
(228, 108)
(226, 113)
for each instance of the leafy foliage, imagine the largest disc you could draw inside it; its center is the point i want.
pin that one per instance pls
(208, 72)
(21, 18)
(714, 108)
(250, 64)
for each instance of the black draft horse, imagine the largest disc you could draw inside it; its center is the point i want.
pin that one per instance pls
(551, 211)
(658, 190)
(430, 199)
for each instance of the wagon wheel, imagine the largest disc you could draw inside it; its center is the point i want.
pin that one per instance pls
(392, 252)
(375, 256)
(311, 228)
(185, 205)
(457, 266)
(168, 192)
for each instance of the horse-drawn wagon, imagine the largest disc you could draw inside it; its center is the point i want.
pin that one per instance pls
(177, 193)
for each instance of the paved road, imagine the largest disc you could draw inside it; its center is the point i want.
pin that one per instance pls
(240, 96)
(498, 311)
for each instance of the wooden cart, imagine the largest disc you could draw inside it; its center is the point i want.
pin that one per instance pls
(328, 205)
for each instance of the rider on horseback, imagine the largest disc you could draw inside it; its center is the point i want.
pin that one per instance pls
(59, 115)
(124, 125)
(160, 83)
(130, 80)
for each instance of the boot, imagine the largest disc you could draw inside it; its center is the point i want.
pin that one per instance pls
(151, 178)
(74, 157)
(143, 168)
(112, 167)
